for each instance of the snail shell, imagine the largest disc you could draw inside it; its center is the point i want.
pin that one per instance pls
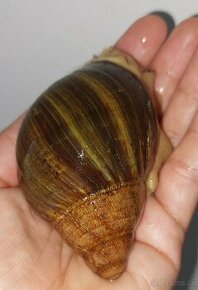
(84, 152)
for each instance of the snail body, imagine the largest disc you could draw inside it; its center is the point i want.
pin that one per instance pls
(85, 152)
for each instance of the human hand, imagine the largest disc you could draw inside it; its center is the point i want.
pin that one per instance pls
(32, 254)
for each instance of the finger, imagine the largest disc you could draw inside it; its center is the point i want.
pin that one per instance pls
(183, 105)
(144, 38)
(178, 186)
(158, 240)
(173, 58)
(8, 172)
(155, 233)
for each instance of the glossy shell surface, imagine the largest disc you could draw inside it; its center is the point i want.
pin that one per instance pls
(84, 152)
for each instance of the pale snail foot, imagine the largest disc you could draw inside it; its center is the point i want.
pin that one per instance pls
(164, 150)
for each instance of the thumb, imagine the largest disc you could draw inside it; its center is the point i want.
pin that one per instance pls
(8, 166)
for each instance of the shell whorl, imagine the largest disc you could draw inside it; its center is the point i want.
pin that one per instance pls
(84, 152)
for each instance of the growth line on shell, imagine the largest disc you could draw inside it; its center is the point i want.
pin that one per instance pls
(116, 115)
(98, 163)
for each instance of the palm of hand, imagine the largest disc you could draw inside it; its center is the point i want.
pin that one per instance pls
(32, 254)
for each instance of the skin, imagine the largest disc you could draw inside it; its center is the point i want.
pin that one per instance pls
(32, 254)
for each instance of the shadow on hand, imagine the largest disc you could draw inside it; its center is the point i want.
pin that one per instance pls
(168, 19)
(189, 257)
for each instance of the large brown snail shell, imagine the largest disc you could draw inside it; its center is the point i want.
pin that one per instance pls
(84, 152)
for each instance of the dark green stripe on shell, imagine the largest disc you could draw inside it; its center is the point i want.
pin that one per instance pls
(90, 136)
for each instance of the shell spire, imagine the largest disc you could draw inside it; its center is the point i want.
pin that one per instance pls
(100, 226)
